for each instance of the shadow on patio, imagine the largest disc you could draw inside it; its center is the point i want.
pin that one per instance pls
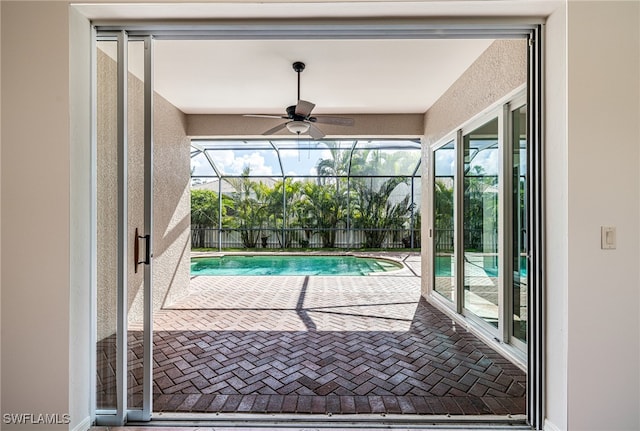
(317, 345)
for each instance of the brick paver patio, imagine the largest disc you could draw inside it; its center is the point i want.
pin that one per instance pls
(318, 345)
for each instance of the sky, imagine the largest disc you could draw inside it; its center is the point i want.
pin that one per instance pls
(301, 161)
(299, 158)
(487, 160)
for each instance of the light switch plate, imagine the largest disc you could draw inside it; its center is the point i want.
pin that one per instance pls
(608, 237)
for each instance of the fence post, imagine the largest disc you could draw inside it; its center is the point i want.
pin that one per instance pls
(219, 214)
(284, 210)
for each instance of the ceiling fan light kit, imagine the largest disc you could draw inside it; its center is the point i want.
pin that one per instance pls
(297, 127)
(299, 115)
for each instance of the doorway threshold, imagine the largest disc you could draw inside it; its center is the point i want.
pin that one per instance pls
(334, 422)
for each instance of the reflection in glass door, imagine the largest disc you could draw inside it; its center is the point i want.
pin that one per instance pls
(444, 221)
(480, 239)
(519, 213)
(481, 220)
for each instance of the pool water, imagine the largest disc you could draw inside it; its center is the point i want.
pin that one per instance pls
(290, 265)
(443, 266)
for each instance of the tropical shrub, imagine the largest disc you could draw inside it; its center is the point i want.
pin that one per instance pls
(247, 210)
(375, 212)
(204, 215)
(323, 209)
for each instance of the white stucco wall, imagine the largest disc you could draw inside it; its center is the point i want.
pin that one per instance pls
(171, 204)
(365, 125)
(500, 70)
(556, 238)
(106, 195)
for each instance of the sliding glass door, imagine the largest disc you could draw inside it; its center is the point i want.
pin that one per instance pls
(481, 220)
(123, 211)
(480, 207)
(519, 210)
(107, 181)
(444, 241)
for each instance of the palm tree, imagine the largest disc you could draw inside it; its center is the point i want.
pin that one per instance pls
(443, 214)
(337, 165)
(375, 212)
(480, 208)
(282, 206)
(205, 214)
(248, 209)
(323, 210)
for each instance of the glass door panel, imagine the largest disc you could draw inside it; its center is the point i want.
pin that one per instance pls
(123, 151)
(106, 224)
(520, 209)
(480, 222)
(135, 220)
(444, 268)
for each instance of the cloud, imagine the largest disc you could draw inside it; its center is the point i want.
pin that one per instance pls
(290, 153)
(231, 162)
(445, 162)
(201, 166)
(488, 160)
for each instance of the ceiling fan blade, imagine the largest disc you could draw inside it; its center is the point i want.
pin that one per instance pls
(275, 129)
(304, 108)
(264, 116)
(338, 121)
(315, 133)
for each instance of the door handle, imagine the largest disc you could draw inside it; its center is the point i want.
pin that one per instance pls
(136, 250)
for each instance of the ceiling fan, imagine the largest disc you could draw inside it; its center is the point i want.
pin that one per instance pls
(299, 115)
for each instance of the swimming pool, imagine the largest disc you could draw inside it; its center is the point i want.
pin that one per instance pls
(290, 265)
(444, 265)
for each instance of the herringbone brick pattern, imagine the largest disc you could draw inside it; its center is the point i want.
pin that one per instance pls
(318, 345)
(294, 304)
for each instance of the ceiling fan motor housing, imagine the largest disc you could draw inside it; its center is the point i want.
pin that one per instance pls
(291, 113)
(299, 115)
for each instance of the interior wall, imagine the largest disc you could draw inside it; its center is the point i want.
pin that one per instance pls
(0, 210)
(36, 211)
(35, 303)
(80, 219)
(557, 220)
(603, 88)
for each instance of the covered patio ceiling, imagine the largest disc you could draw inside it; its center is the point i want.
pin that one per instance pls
(342, 76)
(399, 78)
